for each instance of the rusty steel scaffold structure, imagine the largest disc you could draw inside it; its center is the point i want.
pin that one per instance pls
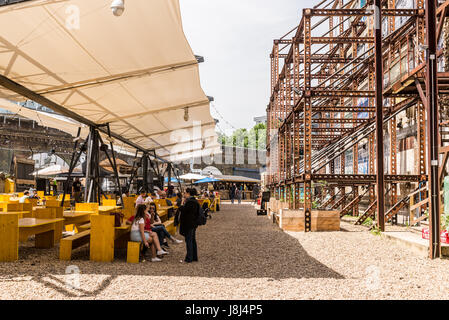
(338, 83)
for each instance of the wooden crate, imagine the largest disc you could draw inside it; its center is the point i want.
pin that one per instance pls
(293, 220)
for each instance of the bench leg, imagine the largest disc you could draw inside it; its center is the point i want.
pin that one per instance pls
(9, 237)
(133, 252)
(65, 250)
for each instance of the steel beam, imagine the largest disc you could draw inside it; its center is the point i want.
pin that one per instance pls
(433, 130)
(379, 115)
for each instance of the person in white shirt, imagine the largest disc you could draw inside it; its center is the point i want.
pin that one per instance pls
(148, 199)
(138, 233)
(124, 195)
(25, 196)
(141, 198)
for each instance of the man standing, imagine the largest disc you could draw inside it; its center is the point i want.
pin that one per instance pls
(239, 194)
(232, 193)
(188, 223)
(54, 186)
(255, 193)
(76, 190)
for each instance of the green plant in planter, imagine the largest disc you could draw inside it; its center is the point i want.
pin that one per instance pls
(376, 231)
(444, 222)
(368, 222)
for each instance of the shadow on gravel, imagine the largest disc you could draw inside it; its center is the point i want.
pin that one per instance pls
(235, 243)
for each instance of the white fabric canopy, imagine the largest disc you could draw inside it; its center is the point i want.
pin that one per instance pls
(46, 119)
(53, 170)
(136, 72)
(192, 176)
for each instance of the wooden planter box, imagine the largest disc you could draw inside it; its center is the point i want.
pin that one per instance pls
(293, 220)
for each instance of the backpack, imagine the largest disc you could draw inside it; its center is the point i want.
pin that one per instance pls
(202, 217)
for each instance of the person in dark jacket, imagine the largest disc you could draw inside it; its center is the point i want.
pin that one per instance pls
(188, 216)
(232, 193)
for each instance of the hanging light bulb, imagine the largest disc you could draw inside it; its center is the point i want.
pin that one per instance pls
(186, 114)
(118, 7)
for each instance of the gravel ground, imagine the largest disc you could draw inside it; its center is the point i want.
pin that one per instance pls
(242, 256)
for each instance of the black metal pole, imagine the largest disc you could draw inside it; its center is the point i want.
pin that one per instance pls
(96, 168)
(145, 171)
(115, 167)
(71, 166)
(379, 114)
(432, 130)
(133, 171)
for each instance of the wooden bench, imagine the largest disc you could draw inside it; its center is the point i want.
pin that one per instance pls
(84, 227)
(134, 248)
(72, 242)
(170, 226)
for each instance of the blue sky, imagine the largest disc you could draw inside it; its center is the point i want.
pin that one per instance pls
(236, 37)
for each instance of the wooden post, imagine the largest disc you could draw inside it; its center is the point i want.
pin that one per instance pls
(9, 237)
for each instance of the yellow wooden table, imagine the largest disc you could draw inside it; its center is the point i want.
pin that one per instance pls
(108, 209)
(77, 217)
(43, 229)
(22, 214)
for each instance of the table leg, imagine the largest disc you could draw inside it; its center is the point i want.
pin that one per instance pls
(45, 240)
(102, 238)
(9, 237)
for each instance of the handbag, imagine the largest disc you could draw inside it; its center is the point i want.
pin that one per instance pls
(118, 218)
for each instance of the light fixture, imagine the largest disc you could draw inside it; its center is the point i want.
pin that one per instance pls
(186, 114)
(118, 7)
(199, 59)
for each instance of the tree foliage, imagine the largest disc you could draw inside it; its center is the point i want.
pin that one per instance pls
(255, 138)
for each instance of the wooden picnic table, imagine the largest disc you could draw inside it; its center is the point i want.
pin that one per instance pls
(108, 209)
(43, 229)
(77, 217)
(22, 214)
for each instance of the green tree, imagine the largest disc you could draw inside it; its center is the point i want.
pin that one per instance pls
(255, 138)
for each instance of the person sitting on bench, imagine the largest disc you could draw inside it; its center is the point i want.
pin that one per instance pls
(141, 198)
(25, 196)
(141, 231)
(159, 228)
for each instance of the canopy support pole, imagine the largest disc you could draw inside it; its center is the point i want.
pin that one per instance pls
(113, 164)
(93, 188)
(73, 161)
(145, 171)
(133, 172)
